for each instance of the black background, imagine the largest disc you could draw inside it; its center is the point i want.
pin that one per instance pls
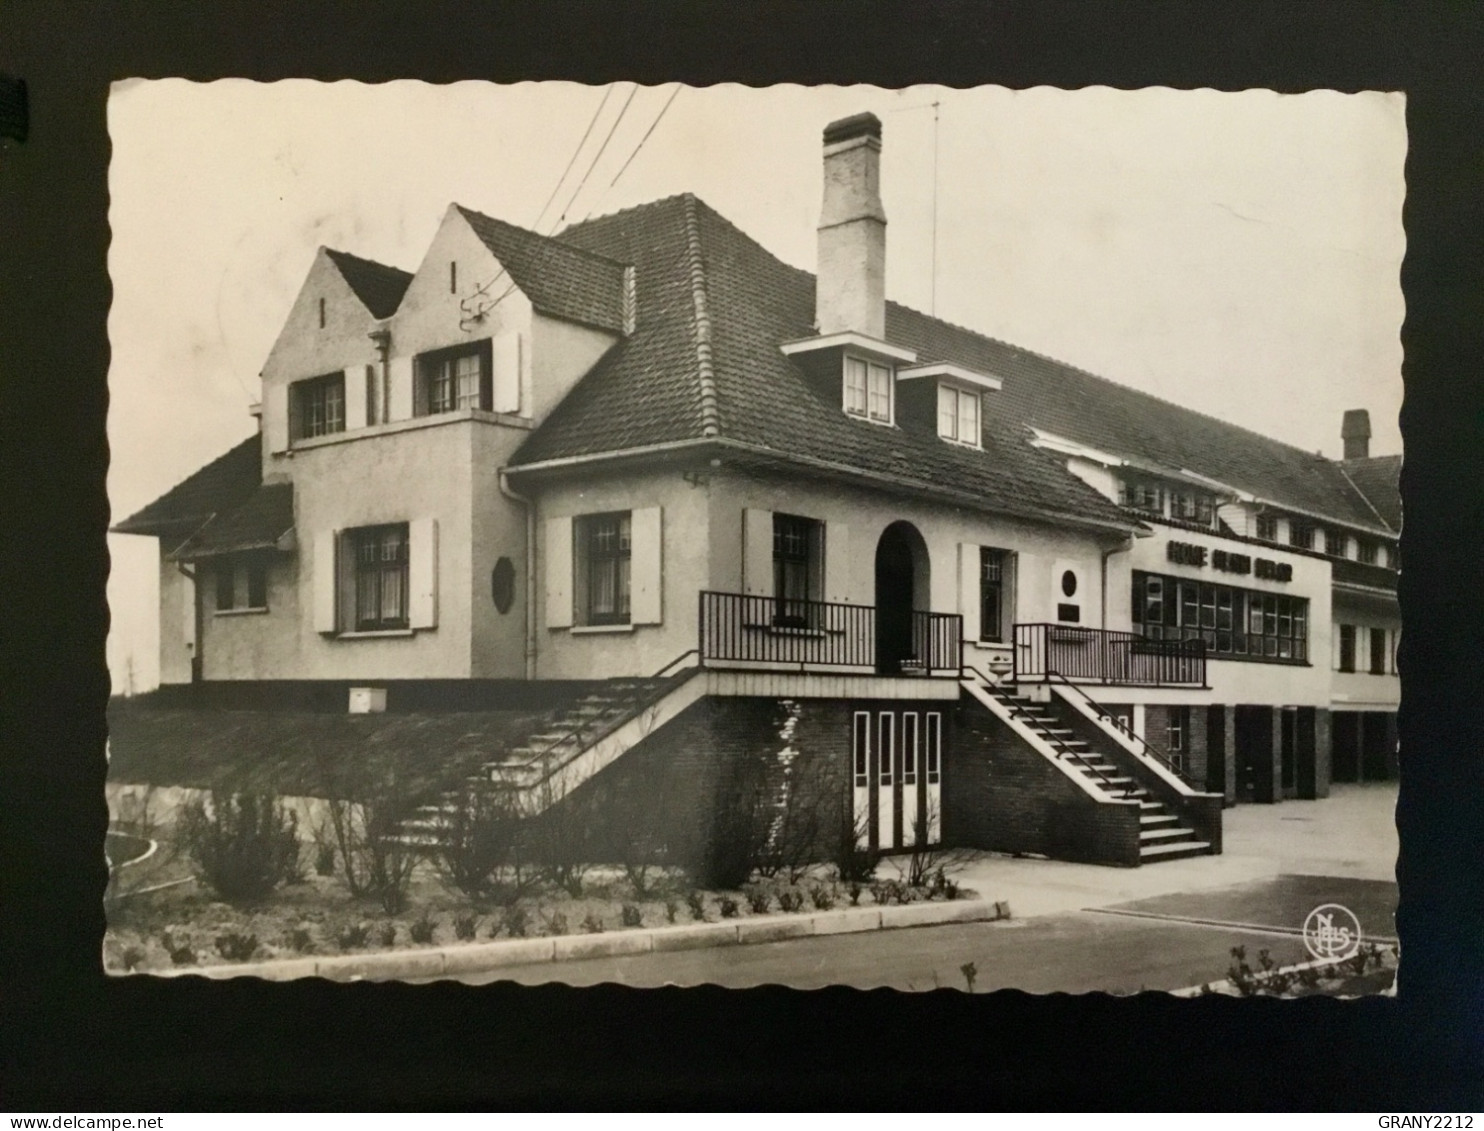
(72, 1040)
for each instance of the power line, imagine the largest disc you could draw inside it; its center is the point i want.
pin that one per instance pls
(933, 292)
(536, 224)
(599, 155)
(645, 138)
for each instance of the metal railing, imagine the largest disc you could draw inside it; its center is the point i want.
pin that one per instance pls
(770, 632)
(1087, 760)
(1154, 752)
(1100, 656)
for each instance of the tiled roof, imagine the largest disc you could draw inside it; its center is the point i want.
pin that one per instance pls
(651, 390)
(221, 486)
(378, 286)
(702, 282)
(266, 516)
(1378, 478)
(559, 279)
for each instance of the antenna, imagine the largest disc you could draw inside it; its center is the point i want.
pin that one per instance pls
(933, 293)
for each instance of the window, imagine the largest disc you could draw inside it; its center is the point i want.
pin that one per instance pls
(909, 749)
(1231, 621)
(1267, 527)
(606, 546)
(992, 593)
(934, 739)
(228, 591)
(1142, 496)
(319, 406)
(1301, 534)
(1205, 510)
(1365, 551)
(861, 741)
(868, 389)
(380, 563)
(456, 379)
(796, 568)
(1334, 543)
(958, 415)
(1378, 651)
(1347, 647)
(1178, 729)
(226, 587)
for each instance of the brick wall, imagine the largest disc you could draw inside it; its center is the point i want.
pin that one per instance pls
(1196, 752)
(669, 795)
(999, 794)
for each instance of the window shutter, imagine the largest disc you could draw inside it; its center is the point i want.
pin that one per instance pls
(355, 397)
(757, 552)
(422, 573)
(558, 573)
(486, 377)
(326, 570)
(837, 562)
(968, 588)
(507, 373)
(276, 417)
(646, 566)
(188, 608)
(399, 401)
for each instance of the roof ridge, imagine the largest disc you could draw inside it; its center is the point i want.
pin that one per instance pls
(337, 254)
(1110, 381)
(468, 212)
(705, 371)
(640, 207)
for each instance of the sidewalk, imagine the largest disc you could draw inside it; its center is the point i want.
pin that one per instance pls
(1352, 833)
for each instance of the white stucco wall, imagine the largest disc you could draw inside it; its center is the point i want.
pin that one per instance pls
(177, 631)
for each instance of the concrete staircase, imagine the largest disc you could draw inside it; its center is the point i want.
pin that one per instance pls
(1161, 835)
(562, 750)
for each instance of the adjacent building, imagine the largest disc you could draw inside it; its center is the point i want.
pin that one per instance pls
(646, 466)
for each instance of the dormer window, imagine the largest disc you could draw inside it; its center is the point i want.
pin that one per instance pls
(958, 415)
(1142, 495)
(868, 386)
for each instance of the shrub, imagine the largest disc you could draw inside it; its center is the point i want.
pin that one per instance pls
(298, 939)
(853, 863)
(133, 958)
(556, 924)
(421, 929)
(465, 927)
(728, 907)
(759, 899)
(386, 934)
(235, 946)
(697, 904)
(853, 890)
(515, 921)
(631, 915)
(671, 910)
(481, 838)
(791, 900)
(243, 844)
(324, 859)
(592, 924)
(181, 953)
(365, 817)
(970, 973)
(881, 893)
(353, 936)
(822, 897)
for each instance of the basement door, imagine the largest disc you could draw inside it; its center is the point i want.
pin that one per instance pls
(897, 780)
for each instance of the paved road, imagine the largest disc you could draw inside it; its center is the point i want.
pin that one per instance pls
(1074, 952)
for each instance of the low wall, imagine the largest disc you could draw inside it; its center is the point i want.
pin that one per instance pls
(1002, 795)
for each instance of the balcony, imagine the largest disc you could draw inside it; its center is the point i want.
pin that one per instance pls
(1095, 655)
(763, 633)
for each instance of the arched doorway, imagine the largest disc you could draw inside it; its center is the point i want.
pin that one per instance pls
(902, 585)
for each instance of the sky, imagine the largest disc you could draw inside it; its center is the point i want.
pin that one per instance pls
(1236, 253)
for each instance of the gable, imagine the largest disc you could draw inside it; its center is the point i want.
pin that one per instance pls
(305, 347)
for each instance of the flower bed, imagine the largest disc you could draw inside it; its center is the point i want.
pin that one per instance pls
(1371, 970)
(187, 926)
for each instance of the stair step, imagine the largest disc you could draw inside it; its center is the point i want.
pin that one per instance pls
(1148, 804)
(1175, 832)
(1147, 819)
(1156, 852)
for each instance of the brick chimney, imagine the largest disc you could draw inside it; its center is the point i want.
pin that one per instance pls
(850, 293)
(1356, 432)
